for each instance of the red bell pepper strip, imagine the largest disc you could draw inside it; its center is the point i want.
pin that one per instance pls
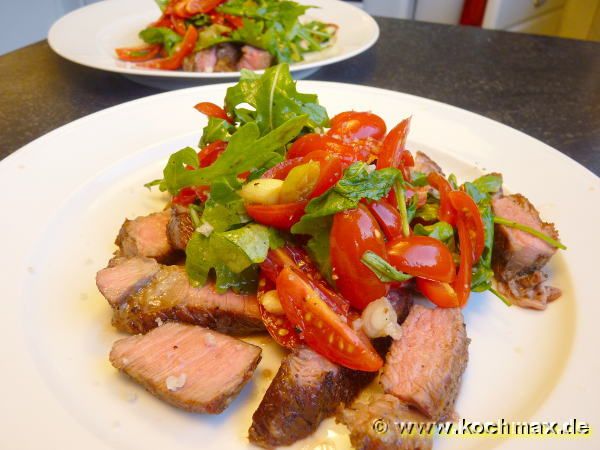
(175, 61)
(211, 110)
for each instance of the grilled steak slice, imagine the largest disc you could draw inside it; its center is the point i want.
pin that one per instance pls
(144, 294)
(362, 416)
(307, 389)
(146, 236)
(254, 58)
(180, 227)
(519, 256)
(228, 56)
(190, 367)
(425, 164)
(202, 61)
(424, 368)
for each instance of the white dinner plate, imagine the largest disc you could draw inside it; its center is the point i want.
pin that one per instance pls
(65, 195)
(90, 35)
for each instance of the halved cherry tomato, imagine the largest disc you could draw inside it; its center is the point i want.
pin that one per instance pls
(210, 153)
(353, 125)
(325, 331)
(178, 25)
(279, 326)
(446, 211)
(292, 256)
(175, 61)
(226, 19)
(391, 154)
(422, 256)
(441, 294)
(137, 54)
(387, 217)
(312, 142)
(352, 234)
(463, 203)
(188, 195)
(446, 295)
(281, 216)
(331, 170)
(211, 110)
(281, 170)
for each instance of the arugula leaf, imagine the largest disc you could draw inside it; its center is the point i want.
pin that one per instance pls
(212, 35)
(441, 231)
(428, 212)
(216, 130)
(418, 179)
(199, 20)
(383, 269)
(489, 183)
(162, 4)
(239, 249)
(245, 282)
(275, 99)
(245, 151)
(198, 261)
(161, 35)
(357, 183)
(225, 208)
(319, 229)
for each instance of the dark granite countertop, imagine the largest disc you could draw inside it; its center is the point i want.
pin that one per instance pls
(547, 87)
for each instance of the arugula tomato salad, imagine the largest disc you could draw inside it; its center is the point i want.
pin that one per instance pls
(227, 35)
(324, 217)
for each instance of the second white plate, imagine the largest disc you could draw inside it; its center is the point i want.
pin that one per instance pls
(89, 36)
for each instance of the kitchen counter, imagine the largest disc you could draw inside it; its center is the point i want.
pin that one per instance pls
(546, 87)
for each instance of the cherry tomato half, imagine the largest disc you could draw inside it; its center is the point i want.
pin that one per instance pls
(319, 142)
(465, 205)
(137, 54)
(325, 331)
(446, 211)
(422, 256)
(281, 216)
(352, 234)
(331, 169)
(393, 150)
(353, 125)
(175, 61)
(387, 217)
(210, 153)
(279, 326)
(194, 7)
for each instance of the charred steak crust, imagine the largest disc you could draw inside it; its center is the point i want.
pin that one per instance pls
(193, 356)
(180, 227)
(147, 294)
(361, 417)
(300, 398)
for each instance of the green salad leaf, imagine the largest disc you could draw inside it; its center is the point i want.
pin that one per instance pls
(441, 231)
(383, 269)
(161, 35)
(275, 100)
(216, 130)
(212, 35)
(319, 229)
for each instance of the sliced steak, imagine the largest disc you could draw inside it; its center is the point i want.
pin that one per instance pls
(254, 58)
(307, 389)
(386, 411)
(425, 164)
(228, 56)
(180, 227)
(143, 295)
(518, 256)
(190, 367)
(424, 368)
(402, 301)
(202, 61)
(146, 236)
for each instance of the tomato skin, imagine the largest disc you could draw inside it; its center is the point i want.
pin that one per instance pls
(210, 153)
(137, 54)
(441, 294)
(176, 60)
(281, 216)
(352, 234)
(194, 7)
(465, 205)
(331, 170)
(446, 212)
(279, 327)
(211, 110)
(282, 169)
(188, 195)
(320, 142)
(393, 148)
(422, 256)
(290, 256)
(353, 125)
(387, 217)
(322, 329)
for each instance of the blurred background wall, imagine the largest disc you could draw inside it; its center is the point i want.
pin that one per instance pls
(23, 22)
